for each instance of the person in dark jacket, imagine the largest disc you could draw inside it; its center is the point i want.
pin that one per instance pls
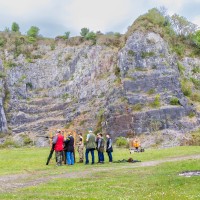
(100, 148)
(69, 149)
(109, 148)
(97, 141)
(58, 146)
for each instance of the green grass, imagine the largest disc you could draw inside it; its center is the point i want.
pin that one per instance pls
(33, 159)
(108, 181)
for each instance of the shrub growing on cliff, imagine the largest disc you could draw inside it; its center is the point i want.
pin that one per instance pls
(149, 21)
(181, 68)
(109, 40)
(174, 101)
(186, 87)
(131, 53)
(156, 102)
(137, 107)
(9, 64)
(195, 96)
(196, 83)
(196, 38)
(91, 36)
(117, 71)
(2, 42)
(151, 91)
(100, 118)
(29, 85)
(179, 49)
(2, 74)
(191, 114)
(196, 69)
(147, 54)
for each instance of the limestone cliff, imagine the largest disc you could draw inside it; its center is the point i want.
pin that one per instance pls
(122, 91)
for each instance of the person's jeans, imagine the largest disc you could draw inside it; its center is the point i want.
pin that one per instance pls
(98, 156)
(70, 158)
(110, 156)
(101, 156)
(86, 155)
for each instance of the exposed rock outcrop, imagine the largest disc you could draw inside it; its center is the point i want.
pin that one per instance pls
(123, 92)
(3, 120)
(150, 76)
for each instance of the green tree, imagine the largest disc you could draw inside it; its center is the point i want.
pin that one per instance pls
(182, 26)
(91, 36)
(84, 32)
(33, 32)
(67, 35)
(15, 27)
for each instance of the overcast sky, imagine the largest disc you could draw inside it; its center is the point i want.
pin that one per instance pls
(55, 17)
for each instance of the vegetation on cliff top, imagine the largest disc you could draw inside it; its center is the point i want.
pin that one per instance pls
(181, 34)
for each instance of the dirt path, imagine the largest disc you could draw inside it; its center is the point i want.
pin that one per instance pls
(11, 182)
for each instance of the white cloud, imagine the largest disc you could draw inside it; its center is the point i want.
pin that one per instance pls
(196, 20)
(56, 17)
(97, 15)
(24, 7)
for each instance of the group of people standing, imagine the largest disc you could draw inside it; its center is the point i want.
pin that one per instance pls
(64, 148)
(97, 142)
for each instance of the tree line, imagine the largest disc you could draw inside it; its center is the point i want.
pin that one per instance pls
(180, 25)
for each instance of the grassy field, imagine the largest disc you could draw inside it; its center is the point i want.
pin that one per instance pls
(108, 181)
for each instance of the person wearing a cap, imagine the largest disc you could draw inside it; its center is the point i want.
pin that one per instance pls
(58, 141)
(90, 146)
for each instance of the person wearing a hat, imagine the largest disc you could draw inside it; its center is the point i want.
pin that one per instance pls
(90, 146)
(58, 141)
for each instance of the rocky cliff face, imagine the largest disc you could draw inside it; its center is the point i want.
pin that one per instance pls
(150, 76)
(3, 121)
(123, 92)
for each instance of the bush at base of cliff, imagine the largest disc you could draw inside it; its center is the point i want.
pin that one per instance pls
(194, 139)
(121, 142)
(9, 142)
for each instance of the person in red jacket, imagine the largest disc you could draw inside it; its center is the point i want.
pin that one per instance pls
(58, 141)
